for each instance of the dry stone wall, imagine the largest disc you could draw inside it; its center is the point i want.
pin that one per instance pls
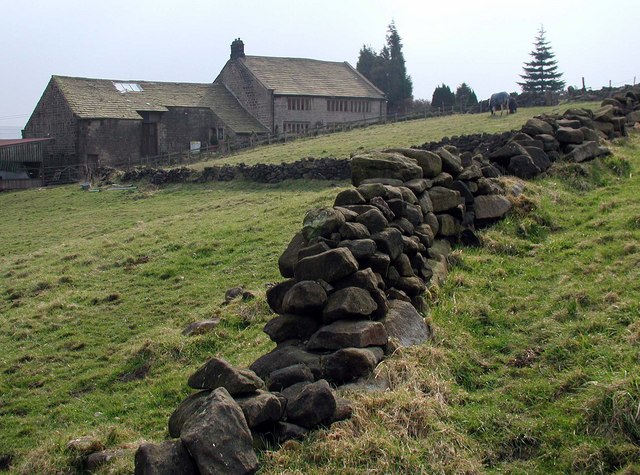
(355, 276)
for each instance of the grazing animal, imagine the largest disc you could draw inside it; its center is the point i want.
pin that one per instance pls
(499, 99)
(513, 105)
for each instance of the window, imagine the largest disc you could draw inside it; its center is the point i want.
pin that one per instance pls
(296, 127)
(338, 105)
(298, 103)
(220, 133)
(127, 87)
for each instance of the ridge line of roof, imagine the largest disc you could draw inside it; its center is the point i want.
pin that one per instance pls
(57, 76)
(296, 59)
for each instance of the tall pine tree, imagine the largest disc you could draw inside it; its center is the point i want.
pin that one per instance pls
(541, 76)
(387, 71)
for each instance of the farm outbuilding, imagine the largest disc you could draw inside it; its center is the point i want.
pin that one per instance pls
(98, 122)
(22, 163)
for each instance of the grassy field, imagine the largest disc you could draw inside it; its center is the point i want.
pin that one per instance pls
(416, 132)
(533, 369)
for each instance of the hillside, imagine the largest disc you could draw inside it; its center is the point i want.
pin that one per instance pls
(532, 369)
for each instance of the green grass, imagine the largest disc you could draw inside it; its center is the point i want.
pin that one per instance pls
(533, 369)
(95, 289)
(415, 132)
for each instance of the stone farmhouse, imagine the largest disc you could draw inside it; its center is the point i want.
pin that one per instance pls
(94, 122)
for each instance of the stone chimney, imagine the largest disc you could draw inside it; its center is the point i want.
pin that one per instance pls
(237, 49)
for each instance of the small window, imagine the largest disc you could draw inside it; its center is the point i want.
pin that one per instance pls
(127, 87)
(220, 133)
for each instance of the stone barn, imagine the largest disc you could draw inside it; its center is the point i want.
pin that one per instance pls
(297, 95)
(96, 122)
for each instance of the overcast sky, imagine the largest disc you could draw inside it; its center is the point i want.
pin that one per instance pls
(482, 43)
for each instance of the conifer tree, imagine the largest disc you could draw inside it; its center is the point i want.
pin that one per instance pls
(443, 97)
(465, 97)
(541, 76)
(387, 70)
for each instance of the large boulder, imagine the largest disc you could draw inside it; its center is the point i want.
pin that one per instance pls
(383, 165)
(354, 231)
(489, 207)
(539, 157)
(348, 333)
(260, 408)
(604, 114)
(443, 199)
(430, 162)
(348, 364)
(504, 153)
(566, 135)
(349, 303)
(276, 293)
(450, 163)
(349, 197)
(289, 257)
(321, 222)
(523, 166)
(305, 297)
(373, 219)
(536, 126)
(185, 410)
(328, 266)
(448, 225)
(291, 327)
(285, 377)
(360, 248)
(218, 373)
(314, 405)
(218, 438)
(390, 242)
(283, 356)
(405, 325)
(584, 152)
(633, 117)
(168, 458)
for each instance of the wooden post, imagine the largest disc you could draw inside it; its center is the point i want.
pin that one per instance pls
(584, 88)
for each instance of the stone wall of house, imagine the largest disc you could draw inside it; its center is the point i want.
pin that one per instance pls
(319, 115)
(253, 96)
(185, 124)
(52, 117)
(108, 142)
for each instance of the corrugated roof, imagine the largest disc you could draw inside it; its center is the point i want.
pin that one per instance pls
(100, 99)
(7, 142)
(310, 77)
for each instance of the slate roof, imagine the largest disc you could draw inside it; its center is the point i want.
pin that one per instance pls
(99, 99)
(310, 77)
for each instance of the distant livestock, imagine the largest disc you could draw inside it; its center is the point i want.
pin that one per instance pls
(513, 105)
(501, 100)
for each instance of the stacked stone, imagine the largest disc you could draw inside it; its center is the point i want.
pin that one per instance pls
(216, 429)
(327, 168)
(623, 108)
(573, 136)
(355, 278)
